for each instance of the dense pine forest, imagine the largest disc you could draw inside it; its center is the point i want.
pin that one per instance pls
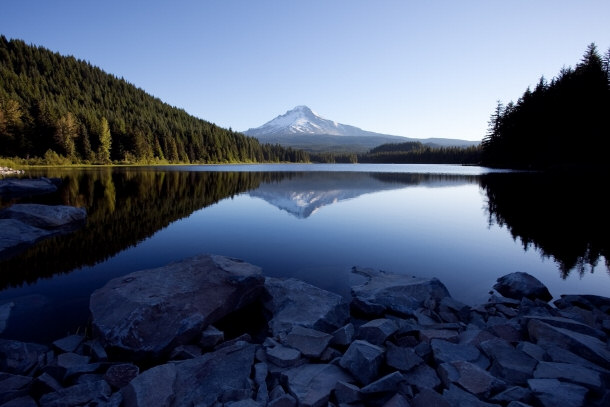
(418, 153)
(64, 110)
(560, 124)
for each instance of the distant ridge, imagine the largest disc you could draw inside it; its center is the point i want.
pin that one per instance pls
(303, 128)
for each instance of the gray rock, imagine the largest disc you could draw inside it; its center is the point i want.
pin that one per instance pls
(13, 386)
(310, 342)
(514, 393)
(154, 387)
(387, 384)
(535, 351)
(182, 352)
(428, 398)
(292, 302)
(70, 360)
(344, 336)
(508, 363)
(210, 337)
(16, 187)
(16, 236)
(394, 293)
(5, 313)
(284, 356)
(219, 376)
(25, 401)
(422, 377)
(445, 351)
(363, 360)
(377, 331)
(20, 357)
(244, 403)
(96, 350)
(570, 325)
(260, 378)
(398, 400)
(69, 343)
(570, 373)
(518, 285)
(552, 393)
(119, 376)
(149, 312)
(428, 335)
(560, 355)
(312, 384)
(285, 400)
(347, 393)
(460, 398)
(470, 377)
(585, 346)
(81, 394)
(45, 383)
(49, 217)
(401, 358)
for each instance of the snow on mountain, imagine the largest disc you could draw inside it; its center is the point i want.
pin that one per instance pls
(302, 120)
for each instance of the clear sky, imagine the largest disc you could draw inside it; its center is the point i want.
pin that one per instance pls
(410, 68)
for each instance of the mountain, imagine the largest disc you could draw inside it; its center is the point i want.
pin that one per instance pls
(302, 128)
(65, 109)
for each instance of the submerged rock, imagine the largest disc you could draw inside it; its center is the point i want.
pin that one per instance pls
(148, 312)
(16, 187)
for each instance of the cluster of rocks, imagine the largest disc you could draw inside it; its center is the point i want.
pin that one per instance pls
(22, 225)
(212, 331)
(10, 171)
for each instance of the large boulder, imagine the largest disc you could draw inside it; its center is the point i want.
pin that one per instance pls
(519, 284)
(16, 236)
(395, 293)
(148, 312)
(48, 217)
(293, 302)
(15, 187)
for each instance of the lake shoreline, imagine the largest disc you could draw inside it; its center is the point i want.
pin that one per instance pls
(285, 342)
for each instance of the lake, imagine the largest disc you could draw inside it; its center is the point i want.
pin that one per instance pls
(465, 225)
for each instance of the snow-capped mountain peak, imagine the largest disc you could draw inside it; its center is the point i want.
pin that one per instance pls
(300, 120)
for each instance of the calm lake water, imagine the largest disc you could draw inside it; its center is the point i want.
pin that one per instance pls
(466, 226)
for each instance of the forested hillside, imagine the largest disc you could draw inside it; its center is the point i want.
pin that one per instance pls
(55, 106)
(563, 123)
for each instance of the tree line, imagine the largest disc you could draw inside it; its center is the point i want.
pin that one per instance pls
(561, 123)
(61, 109)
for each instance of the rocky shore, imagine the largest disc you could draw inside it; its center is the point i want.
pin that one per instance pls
(10, 171)
(212, 331)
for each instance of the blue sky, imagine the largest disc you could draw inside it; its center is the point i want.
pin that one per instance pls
(410, 68)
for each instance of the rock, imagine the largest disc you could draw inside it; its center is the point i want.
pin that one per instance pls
(560, 355)
(428, 335)
(347, 393)
(422, 377)
(119, 376)
(16, 236)
(13, 386)
(45, 383)
(182, 352)
(48, 217)
(5, 313)
(284, 356)
(508, 363)
(394, 293)
(552, 392)
(363, 360)
(570, 325)
(96, 350)
(261, 370)
(584, 346)
(285, 400)
(514, 393)
(445, 351)
(518, 285)
(534, 351)
(25, 401)
(148, 312)
(19, 187)
(309, 342)
(20, 357)
(154, 387)
(401, 358)
(470, 377)
(292, 302)
(398, 400)
(387, 384)
(312, 384)
(219, 376)
(570, 373)
(428, 398)
(344, 336)
(69, 343)
(460, 398)
(210, 337)
(90, 393)
(70, 360)
(377, 331)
